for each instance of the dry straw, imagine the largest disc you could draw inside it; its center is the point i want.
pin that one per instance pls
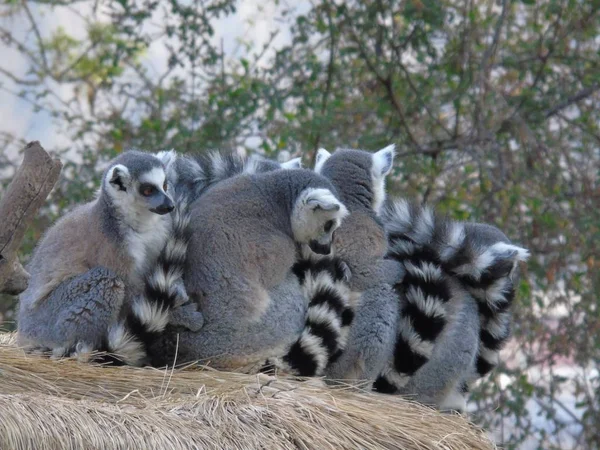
(64, 404)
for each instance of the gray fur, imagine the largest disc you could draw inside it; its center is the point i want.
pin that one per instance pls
(81, 309)
(193, 174)
(438, 383)
(477, 264)
(371, 338)
(239, 265)
(103, 247)
(361, 242)
(244, 345)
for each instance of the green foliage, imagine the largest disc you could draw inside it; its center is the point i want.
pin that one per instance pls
(492, 105)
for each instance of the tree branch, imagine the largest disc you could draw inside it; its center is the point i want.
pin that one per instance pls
(584, 93)
(37, 34)
(27, 192)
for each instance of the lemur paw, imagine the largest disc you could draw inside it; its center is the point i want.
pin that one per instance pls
(346, 272)
(187, 316)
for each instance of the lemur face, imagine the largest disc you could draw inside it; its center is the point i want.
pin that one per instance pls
(140, 189)
(316, 216)
(152, 188)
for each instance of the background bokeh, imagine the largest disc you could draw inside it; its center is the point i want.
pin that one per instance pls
(494, 107)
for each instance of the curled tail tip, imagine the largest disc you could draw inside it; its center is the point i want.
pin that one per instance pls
(122, 345)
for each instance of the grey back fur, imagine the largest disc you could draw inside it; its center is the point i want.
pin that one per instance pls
(239, 271)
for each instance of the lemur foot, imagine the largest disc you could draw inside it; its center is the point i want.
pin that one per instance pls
(187, 316)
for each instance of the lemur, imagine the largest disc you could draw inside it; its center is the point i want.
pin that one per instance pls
(427, 297)
(165, 300)
(456, 291)
(360, 242)
(105, 275)
(240, 268)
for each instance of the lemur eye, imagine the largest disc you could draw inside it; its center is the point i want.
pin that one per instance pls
(165, 186)
(147, 190)
(328, 226)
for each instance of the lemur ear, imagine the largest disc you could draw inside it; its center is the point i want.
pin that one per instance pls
(323, 199)
(325, 206)
(118, 176)
(295, 163)
(167, 157)
(383, 161)
(322, 156)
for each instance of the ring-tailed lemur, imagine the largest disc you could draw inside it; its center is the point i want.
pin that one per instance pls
(92, 266)
(359, 178)
(240, 266)
(165, 295)
(453, 273)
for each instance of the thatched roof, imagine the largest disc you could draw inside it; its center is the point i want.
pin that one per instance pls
(64, 404)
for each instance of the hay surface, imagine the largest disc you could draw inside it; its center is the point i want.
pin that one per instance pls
(69, 405)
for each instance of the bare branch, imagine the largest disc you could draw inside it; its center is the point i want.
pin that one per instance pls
(581, 95)
(37, 34)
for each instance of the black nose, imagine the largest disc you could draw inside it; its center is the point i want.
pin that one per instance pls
(321, 249)
(163, 209)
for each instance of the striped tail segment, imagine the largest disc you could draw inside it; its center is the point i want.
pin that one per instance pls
(424, 291)
(488, 274)
(127, 342)
(216, 166)
(328, 320)
(433, 248)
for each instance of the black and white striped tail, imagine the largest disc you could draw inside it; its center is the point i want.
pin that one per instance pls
(127, 341)
(425, 292)
(432, 249)
(328, 320)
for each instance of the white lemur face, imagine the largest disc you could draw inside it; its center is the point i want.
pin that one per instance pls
(316, 215)
(142, 194)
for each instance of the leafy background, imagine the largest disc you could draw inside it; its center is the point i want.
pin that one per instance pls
(493, 106)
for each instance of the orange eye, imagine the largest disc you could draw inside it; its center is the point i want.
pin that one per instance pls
(147, 190)
(165, 186)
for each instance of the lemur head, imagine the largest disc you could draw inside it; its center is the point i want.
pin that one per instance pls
(136, 183)
(359, 176)
(316, 215)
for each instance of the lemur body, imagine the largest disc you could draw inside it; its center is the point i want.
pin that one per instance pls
(455, 294)
(96, 264)
(245, 233)
(360, 242)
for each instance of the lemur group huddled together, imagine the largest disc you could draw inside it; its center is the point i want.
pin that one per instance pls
(253, 265)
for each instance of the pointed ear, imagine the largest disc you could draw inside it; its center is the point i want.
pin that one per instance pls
(118, 177)
(324, 205)
(323, 199)
(167, 157)
(295, 163)
(322, 156)
(383, 161)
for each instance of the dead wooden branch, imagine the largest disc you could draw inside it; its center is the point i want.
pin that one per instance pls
(26, 193)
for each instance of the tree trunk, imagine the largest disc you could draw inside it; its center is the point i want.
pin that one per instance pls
(27, 192)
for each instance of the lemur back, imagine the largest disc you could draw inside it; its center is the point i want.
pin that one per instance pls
(194, 174)
(242, 250)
